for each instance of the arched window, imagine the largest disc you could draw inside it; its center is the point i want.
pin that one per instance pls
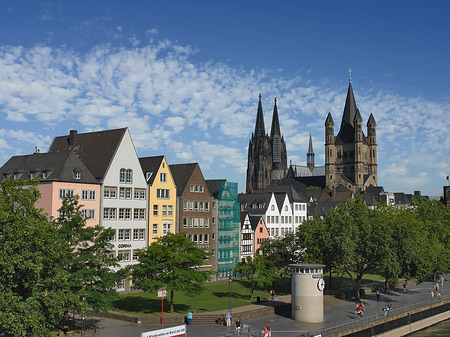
(129, 176)
(122, 175)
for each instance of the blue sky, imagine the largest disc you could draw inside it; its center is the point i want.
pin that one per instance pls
(184, 76)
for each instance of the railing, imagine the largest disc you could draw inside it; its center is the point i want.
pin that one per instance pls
(373, 318)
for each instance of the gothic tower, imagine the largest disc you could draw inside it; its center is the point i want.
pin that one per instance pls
(267, 157)
(351, 157)
(310, 154)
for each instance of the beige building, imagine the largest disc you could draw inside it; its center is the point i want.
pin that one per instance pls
(351, 156)
(162, 197)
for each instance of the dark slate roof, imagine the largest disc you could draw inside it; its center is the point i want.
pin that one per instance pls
(347, 132)
(286, 189)
(150, 164)
(59, 165)
(329, 120)
(95, 149)
(319, 181)
(369, 199)
(181, 174)
(275, 129)
(375, 190)
(259, 127)
(214, 186)
(254, 220)
(247, 200)
(322, 208)
(402, 198)
(371, 121)
(279, 198)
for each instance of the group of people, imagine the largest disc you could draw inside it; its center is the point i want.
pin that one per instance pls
(359, 309)
(267, 330)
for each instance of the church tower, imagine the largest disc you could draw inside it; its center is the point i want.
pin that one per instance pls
(351, 157)
(310, 154)
(267, 156)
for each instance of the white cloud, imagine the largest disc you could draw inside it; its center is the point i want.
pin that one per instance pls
(205, 112)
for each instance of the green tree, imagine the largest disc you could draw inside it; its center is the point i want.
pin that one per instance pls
(34, 287)
(257, 270)
(171, 262)
(91, 264)
(355, 238)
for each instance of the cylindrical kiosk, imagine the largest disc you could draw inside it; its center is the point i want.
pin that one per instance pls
(307, 287)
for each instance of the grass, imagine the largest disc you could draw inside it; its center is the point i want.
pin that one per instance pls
(215, 296)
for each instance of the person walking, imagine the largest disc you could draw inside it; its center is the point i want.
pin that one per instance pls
(228, 318)
(237, 324)
(272, 295)
(269, 330)
(378, 295)
(404, 287)
(189, 317)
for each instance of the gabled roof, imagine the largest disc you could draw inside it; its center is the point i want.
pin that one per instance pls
(371, 121)
(95, 149)
(214, 186)
(279, 198)
(286, 189)
(181, 174)
(150, 164)
(254, 220)
(329, 120)
(60, 166)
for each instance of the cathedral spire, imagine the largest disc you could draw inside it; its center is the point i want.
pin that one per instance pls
(310, 147)
(346, 132)
(310, 154)
(259, 127)
(275, 129)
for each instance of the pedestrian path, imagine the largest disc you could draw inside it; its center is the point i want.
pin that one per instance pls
(336, 312)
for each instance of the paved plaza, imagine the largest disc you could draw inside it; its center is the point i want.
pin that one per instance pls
(336, 312)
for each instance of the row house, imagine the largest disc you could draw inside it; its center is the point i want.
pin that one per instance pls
(111, 157)
(195, 209)
(162, 196)
(226, 216)
(61, 175)
(253, 233)
(282, 211)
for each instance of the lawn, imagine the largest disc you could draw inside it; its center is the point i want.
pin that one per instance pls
(214, 297)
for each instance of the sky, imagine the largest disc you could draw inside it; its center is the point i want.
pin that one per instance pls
(184, 77)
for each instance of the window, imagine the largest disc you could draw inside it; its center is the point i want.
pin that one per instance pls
(110, 192)
(169, 210)
(129, 176)
(247, 236)
(260, 229)
(113, 236)
(192, 188)
(200, 189)
(155, 229)
(141, 234)
(45, 174)
(65, 193)
(163, 177)
(166, 227)
(121, 235)
(155, 210)
(162, 193)
(127, 234)
(285, 208)
(87, 195)
(34, 174)
(272, 208)
(124, 255)
(148, 175)
(88, 213)
(139, 193)
(135, 256)
(185, 222)
(185, 205)
(109, 213)
(77, 175)
(164, 210)
(195, 222)
(125, 193)
(206, 222)
(136, 234)
(139, 214)
(127, 213)
(206, 206)
(122, 175)
(206, 238)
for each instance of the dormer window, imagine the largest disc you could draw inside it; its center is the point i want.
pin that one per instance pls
(17, 175)
(34, 175)
(77, 174)
(45, 174)
(148, 175)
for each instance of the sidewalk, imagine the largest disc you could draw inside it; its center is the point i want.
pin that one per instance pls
(335, 312)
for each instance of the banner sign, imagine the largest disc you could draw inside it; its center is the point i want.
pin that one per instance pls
(175, 331)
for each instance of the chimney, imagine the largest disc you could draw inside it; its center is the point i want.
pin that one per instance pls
(72, 137)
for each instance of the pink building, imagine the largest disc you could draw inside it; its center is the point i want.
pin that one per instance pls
(253, 233)
(61, 174)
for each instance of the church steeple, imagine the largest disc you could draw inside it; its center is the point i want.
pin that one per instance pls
(259, 127)
(346, 132)
(310, 154)
(275, 129)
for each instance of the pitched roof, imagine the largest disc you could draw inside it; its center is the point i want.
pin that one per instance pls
(95, 149)
(371, 121)
(251, 201)
(329, 120)
(347, 133)
(60, 166)
(254, 220)
(181, 174)
(150, 164)
(286, 189)
(214, 187)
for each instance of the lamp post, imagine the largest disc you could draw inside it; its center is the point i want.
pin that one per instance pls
(83, 317)
(229, 294)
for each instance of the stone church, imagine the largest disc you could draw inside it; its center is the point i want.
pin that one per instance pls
(350, 156)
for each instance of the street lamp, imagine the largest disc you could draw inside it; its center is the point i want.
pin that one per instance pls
(83, 317)
(229, 294)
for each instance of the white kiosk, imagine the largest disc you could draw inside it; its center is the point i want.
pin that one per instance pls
(307, 292)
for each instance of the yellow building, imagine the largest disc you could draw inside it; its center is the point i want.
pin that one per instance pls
(162, 197)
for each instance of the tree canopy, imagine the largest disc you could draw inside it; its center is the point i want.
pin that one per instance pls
(172, 262)
(258, 271)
